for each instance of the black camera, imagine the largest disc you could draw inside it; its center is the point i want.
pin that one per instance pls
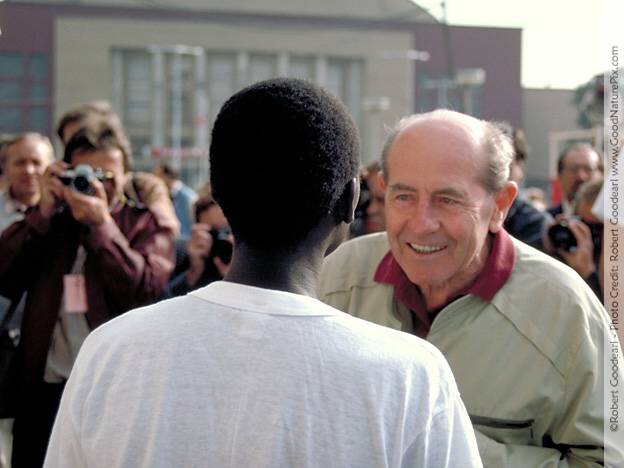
(221, 245)
(563, 238)
(80, 177)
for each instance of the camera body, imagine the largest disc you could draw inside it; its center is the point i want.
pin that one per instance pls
(221, 246)
(79, 178)
(563, 238)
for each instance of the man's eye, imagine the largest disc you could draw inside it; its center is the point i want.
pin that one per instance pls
(403, 197)
(447, 201)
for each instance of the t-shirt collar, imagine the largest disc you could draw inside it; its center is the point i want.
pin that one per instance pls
(260, 300)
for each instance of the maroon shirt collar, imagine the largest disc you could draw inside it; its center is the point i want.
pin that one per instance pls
(494, 275)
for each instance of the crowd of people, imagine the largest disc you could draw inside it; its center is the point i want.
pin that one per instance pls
(153, 325)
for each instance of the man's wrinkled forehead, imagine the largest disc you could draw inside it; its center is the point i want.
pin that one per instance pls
(445, 139)
(447, 135)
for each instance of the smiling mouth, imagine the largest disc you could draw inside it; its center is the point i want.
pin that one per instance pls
(426, 249)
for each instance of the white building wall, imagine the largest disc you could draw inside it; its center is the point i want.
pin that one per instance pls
(83, 61)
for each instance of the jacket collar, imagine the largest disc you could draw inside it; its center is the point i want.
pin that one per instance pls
(490, 280)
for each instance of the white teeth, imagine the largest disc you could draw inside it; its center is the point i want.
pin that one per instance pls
(425, 248)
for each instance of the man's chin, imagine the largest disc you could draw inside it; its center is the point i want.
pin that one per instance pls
(422, 279)
(424, 273)
(29, 186)
(26, 191)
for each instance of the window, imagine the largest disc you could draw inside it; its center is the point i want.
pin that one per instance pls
(10, 119)
(221, 81)
(11, 65)
(10, 91)
(24, 92)
(179, 105)
(344, 80)
(168, 98)
(138, 98)
(301, 67)
(261, 67)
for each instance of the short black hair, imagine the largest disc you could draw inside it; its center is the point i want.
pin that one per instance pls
(281, 154)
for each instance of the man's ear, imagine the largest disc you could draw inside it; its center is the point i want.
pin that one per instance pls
(345, 208)
(382, 180)
(503, 200)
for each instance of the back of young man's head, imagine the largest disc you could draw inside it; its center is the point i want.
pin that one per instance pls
(282, 153)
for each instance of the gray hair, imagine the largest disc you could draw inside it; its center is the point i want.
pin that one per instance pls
(499, 151)
(497, 147)
(7, 144)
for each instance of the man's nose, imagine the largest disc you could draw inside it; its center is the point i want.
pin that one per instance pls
(423, 219)
(583, 175)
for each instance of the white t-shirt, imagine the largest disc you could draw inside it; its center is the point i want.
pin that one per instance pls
(237, 376)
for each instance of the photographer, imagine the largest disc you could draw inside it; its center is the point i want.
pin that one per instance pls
(577, 240)
(577, 164)
(205, 256)
(83, 259)
(139, 187)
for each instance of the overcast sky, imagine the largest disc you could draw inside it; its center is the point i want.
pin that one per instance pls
(563, 41)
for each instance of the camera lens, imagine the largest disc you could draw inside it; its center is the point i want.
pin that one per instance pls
(82, 184)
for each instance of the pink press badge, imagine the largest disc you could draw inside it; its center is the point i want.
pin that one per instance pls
(75, 294)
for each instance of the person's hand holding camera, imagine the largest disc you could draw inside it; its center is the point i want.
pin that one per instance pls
(91, 210)
(52, 189)
(581, 257)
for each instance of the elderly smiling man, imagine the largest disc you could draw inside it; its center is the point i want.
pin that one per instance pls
(522, 332)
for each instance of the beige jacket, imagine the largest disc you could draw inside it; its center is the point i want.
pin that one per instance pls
(528, 365)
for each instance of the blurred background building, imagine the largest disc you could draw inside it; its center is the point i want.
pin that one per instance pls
(167, 67)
